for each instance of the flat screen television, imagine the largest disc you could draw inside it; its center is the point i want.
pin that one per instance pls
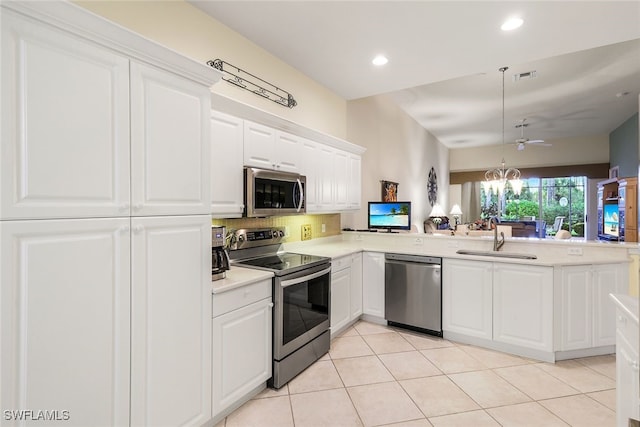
(389, 216)
(611, 224)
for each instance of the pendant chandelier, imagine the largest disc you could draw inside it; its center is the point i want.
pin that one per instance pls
(496, 179)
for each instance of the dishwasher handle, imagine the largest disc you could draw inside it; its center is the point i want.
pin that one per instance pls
(418, 259)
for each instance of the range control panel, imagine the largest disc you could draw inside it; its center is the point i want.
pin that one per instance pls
(254, 237)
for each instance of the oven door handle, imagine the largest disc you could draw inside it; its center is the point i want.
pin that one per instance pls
(290, 282)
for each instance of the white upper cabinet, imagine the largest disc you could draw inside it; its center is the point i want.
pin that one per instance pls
(65, 318)
(341, 179)
(354, 182)
(68, 108)
(267, 148)
(170, 146)
(171, 321)
(65, 125)
(310, 169)
(227, 133)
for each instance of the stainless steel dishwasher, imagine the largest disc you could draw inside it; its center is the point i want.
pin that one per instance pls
(413, 292)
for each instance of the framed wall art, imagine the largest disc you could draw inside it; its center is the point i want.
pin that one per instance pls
(389, 191)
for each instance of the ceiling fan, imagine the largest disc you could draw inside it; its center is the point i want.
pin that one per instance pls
(522, 140)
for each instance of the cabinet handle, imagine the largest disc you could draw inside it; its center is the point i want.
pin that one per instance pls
(635, 365)
(124, 207)
(270, 305)
(138, 229)
(137, 207)
(125, 229)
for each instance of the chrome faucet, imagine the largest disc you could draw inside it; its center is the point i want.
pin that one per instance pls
(497, 244)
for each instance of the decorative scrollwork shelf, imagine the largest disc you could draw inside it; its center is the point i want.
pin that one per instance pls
(248, 81)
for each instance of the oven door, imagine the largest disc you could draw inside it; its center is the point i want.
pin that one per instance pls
(273, 193)
(301, 308)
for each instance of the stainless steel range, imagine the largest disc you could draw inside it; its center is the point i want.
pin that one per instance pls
(301, 299)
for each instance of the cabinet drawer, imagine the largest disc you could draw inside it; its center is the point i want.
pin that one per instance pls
(340, 263)
(627, 328)
(237, 298)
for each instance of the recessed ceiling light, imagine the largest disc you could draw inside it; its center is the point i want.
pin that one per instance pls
(512, 24)
(380, 60)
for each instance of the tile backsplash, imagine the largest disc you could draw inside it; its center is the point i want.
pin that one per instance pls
(293, 222)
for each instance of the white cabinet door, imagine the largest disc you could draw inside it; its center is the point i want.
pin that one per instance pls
(288, 152)
(356, 286)
(310, 168)
(354, 183)
(607, 279)
(467, 288)
(576, 307)
(523, 305)
(587, 316)
(65, 125)
(259, 145)
(341, 177)
(242, 357)
(227, 199)
(171, 321)
(626, 381)
(373, 284)
(325, 194)
(170, 145)
(340, 299)
(65, 318)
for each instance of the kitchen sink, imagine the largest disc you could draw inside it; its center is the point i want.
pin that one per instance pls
(496, 254)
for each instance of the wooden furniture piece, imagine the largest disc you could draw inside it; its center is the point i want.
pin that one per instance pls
(622, 192)
(628, 210)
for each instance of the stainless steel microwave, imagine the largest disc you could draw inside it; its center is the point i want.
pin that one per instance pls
(268, 193)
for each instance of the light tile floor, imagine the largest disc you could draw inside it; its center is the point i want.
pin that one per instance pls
(377, 375)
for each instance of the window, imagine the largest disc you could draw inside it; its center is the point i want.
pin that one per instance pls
(552, 200)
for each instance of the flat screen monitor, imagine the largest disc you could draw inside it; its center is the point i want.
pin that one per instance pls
(390, 216)
(611, 226)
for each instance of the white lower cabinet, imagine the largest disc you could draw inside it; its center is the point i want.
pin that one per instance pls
(627, 365)
(373, 284)
(340, 293)
(171, 320)
(505, 303)
(356, 286)
(523, 306)
(467, 303)
(242, 344)
(585, 317)
(346, 291)
(65, 319)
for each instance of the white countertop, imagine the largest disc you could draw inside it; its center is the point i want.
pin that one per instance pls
(237, 277)
(628, 304)
(549, 253)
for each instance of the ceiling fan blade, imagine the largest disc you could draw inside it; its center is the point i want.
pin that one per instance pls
(535, 141)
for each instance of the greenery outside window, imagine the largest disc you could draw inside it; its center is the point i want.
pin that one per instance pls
(556, 201)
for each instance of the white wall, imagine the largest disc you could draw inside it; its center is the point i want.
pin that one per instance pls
(570, 151)
(398, 150)
(189, 31)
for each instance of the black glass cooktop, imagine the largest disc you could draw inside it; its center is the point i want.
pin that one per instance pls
(283, 262)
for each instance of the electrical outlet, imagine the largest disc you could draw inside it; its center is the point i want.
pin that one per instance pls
(574, 251)
(306, 232)
(324, 228)
(287, 232)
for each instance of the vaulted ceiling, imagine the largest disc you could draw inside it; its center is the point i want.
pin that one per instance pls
(444, 58)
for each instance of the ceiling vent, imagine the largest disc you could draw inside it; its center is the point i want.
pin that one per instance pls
(525, 76)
